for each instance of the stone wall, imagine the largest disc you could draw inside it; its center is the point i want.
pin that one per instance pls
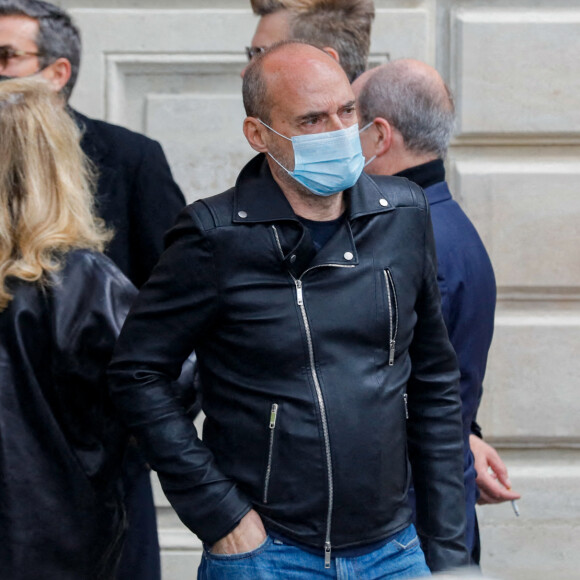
(171, 70)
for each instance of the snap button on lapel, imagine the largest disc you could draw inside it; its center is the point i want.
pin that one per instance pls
(348, 256)
(293, 258)
(243, 214)
(383, 202)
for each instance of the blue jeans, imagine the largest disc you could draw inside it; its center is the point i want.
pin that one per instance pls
(402, 557)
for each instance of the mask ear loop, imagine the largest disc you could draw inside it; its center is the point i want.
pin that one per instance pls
(362, 131)
(365, 127)
(286, 170)
(369, 161)
(274, 130)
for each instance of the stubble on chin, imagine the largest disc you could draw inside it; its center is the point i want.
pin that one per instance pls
(284, 179)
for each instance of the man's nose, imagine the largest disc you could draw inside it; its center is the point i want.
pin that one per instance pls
(335, 123)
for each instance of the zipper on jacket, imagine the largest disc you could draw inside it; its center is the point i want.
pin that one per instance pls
(406, 399)
(272, 427)
(393, 315)
(299, 295)
(322, 407)
(321, 403)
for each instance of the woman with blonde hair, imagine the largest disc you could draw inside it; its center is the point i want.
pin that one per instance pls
(62, 303)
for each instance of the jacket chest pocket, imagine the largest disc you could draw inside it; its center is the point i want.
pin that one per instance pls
(271, 443)
(392, 313)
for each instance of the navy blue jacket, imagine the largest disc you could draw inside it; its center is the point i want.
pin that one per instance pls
(468, 295)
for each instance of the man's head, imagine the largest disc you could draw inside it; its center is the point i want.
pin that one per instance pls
(296, 89)
(411, 112)
(341, 27)
(38, 37)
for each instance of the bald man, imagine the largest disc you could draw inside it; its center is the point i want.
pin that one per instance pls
(309, 293)
(407, 113)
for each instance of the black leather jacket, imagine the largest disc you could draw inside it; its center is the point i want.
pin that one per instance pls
(323, 373)
(61, 515)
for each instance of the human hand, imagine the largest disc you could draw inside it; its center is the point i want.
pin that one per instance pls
(492, 476)
(245, 537)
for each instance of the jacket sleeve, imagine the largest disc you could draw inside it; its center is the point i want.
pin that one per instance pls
(175, 309)
(468, 296)
(91, 291)
(156, 201)
(89, 299)
(434, 428)
(470, 328)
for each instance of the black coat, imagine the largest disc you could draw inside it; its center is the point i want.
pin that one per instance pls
(136, 194)
(320, 371)
(61, 447)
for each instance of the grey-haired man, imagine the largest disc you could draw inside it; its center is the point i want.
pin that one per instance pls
(407, 113)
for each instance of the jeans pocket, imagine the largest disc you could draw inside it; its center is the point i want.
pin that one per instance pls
(406, 539)
(240, 556)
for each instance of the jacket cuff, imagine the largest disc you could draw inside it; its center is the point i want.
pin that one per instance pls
(210, 521)
(476, 429)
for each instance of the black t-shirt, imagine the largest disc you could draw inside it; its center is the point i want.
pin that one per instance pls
(321, 232)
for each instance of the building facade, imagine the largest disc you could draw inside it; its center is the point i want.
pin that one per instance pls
(171, 70)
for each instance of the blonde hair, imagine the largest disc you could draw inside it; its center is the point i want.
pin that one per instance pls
(46, 184)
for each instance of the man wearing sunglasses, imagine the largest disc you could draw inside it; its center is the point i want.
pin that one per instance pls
(136, 196)
(341, 27)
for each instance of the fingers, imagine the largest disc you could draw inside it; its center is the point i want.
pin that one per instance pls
(497, 466)
(247, 536)
(492, 474)
(492, 491)
(484, 498)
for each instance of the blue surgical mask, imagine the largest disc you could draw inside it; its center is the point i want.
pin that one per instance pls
(325, 163)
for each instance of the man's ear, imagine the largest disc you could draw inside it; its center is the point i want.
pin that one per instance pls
(383, 139)
(255, 132)
(58, 73)
(332, 52)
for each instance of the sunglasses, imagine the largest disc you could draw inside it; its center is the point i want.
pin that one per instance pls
(7, 53)
(252, 51)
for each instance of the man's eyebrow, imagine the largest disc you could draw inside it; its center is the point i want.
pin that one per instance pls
(311, 115)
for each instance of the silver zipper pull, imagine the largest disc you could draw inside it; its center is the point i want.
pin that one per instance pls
(405, 398)
(299, 296)
(392, 353)
(273, 415)
(327, 554)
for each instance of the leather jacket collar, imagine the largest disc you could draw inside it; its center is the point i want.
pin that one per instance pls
(258, 198)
